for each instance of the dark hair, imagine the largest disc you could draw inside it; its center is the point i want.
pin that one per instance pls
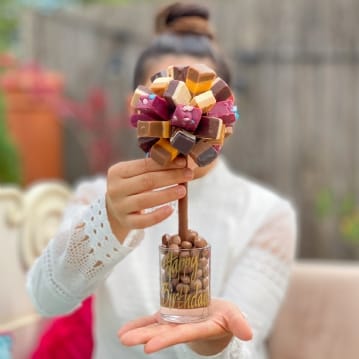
(182, 29)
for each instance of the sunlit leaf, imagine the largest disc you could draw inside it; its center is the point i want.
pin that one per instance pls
(325, 203)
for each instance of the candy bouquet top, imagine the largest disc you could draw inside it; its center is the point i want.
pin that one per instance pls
(186, 110)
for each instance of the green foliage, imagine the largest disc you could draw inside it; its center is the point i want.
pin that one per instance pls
(106, 2)
(9, 158)
(345, 209)
(8, 22)
(347, 205)
(324, 203)
(349, 226)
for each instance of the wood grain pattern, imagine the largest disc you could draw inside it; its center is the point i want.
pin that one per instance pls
(296, 72)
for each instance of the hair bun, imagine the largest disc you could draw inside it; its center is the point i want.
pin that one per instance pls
(183, 19)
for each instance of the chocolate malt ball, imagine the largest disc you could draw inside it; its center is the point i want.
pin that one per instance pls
(175, 248)
(186, 245)
(192, 236)
(185, 254)
(196, 285)
(205, 282)
(200, 242)
(203, 262)
(174, 283)
(182, 288)
(176, 239)
(198, 274)
(165, 239)
(185, 279)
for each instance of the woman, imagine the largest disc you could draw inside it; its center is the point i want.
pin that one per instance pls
(108, 242)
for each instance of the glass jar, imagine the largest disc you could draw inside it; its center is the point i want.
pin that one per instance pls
(185, 286)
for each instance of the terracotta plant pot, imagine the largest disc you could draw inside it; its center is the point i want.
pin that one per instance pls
(31, 99)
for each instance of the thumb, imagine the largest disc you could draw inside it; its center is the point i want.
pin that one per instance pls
(238, 324)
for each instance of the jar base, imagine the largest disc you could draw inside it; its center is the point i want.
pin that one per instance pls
(182, 316)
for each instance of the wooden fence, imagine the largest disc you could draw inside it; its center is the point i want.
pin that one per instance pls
(297, 76)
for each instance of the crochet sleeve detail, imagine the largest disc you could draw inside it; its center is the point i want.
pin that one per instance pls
(78, 258)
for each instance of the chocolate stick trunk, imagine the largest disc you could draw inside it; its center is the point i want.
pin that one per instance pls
(183, 214)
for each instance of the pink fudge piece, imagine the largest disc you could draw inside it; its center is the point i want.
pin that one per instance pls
(223, 110)
(186, 117)
(153, 106)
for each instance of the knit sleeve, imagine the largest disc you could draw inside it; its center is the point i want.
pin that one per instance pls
(258, 282)
(79, 257)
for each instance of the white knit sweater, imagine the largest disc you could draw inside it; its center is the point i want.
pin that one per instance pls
(252, 233)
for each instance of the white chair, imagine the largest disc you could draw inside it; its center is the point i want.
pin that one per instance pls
(28, 219)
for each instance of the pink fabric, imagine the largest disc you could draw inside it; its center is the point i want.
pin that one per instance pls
(68, 337)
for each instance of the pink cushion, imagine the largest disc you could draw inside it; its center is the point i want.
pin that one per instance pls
(320, 316)
(68, 337)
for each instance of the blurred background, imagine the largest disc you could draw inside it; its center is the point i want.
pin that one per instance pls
(66, 71)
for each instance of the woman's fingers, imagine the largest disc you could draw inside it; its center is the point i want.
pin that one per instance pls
(134, 168)
(239, 326)
(144, 220)
(130, 211)
(150, 181)
(143, 335)
(236, 323)
(137, 323)
(182, 334)
(152, 199)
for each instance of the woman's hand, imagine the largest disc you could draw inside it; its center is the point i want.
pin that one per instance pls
(134, 186)
(206, 338)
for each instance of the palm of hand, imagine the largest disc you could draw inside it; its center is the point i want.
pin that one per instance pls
(206, 337)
